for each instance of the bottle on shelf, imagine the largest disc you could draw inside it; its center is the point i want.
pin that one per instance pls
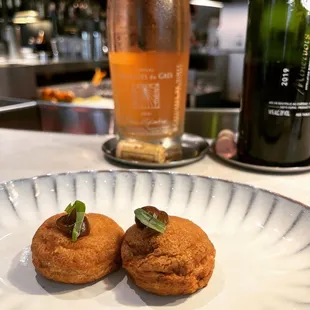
(97, 41)
(274, 126)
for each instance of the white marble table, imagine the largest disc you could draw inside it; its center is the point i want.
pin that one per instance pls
(27, 154)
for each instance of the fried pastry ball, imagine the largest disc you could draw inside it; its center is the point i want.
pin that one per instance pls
(179, 261)
(90, 258)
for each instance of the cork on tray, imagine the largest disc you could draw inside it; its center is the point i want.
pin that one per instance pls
(141, 151)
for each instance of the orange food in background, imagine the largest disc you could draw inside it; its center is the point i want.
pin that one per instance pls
(49, 94)
(54, 95)
(98, 77)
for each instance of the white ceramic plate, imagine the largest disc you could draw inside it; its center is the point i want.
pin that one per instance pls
(262, 241)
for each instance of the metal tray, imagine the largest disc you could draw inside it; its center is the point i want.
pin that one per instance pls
(194, 148)
(237, 163)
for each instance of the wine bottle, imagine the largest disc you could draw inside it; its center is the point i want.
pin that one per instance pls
(274, 126)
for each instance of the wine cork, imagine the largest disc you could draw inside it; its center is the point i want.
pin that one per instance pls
(226, 147)
(226, 133)
(141, 151)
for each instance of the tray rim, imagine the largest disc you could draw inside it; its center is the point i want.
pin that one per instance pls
(172, 164)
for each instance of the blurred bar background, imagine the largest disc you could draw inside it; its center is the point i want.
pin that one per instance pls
(61, 45)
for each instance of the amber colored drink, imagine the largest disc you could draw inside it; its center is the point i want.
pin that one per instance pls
(150, 92)
(149, 58)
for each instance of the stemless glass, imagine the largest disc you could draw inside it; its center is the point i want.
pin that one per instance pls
(149, 57)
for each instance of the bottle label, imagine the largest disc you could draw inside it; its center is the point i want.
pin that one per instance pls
(306, 4)
(302, 81)
(149, 92)
(292, 87)
(286, 109)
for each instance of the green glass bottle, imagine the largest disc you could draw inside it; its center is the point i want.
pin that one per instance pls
(274, 127)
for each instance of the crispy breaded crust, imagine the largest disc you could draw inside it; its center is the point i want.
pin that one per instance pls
(178, 262)
(92, 257)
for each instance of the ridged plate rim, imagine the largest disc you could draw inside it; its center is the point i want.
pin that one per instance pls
(151, 171)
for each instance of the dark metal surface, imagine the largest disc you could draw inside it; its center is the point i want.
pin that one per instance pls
(194, 148)
(209, 122)
(75, 119)
(7, 101)
(70, 118)
(19, 115)
(235, 162)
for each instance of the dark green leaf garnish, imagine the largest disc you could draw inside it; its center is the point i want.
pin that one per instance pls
(152, 218)
(70, 208)
(75, 223)
(80, 214)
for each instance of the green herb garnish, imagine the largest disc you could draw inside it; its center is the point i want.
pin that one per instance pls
(74, 224)
(80, 208)
(70, 208)
(150, 220)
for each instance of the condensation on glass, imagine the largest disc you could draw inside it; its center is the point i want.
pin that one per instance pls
(149, 55)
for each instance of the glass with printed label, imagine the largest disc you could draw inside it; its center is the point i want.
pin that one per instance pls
(149, 56)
